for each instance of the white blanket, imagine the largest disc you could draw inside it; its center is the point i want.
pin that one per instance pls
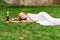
(44, 19)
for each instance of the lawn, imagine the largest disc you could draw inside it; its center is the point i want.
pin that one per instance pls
(28, 31)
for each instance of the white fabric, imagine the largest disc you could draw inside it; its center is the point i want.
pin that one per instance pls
(44, 19)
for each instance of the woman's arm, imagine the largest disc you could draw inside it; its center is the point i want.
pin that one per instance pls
(14, 19)
(30, 20)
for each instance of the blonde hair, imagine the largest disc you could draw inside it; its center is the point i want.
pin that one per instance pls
(19, 17)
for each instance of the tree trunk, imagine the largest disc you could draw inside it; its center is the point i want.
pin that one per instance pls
(33, 2)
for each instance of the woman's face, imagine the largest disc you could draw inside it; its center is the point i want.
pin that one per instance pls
(22, 15)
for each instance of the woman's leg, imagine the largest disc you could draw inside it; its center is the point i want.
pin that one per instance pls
(45, 15)
(57, 21)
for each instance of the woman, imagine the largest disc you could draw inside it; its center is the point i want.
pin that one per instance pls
(22, 17)
(42, 18)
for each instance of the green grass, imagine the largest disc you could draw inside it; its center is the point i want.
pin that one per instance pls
(28, 31)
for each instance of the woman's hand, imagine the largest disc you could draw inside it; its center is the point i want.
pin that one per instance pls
(14, 19)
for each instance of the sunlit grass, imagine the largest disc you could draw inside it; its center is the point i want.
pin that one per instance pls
(28, 31)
